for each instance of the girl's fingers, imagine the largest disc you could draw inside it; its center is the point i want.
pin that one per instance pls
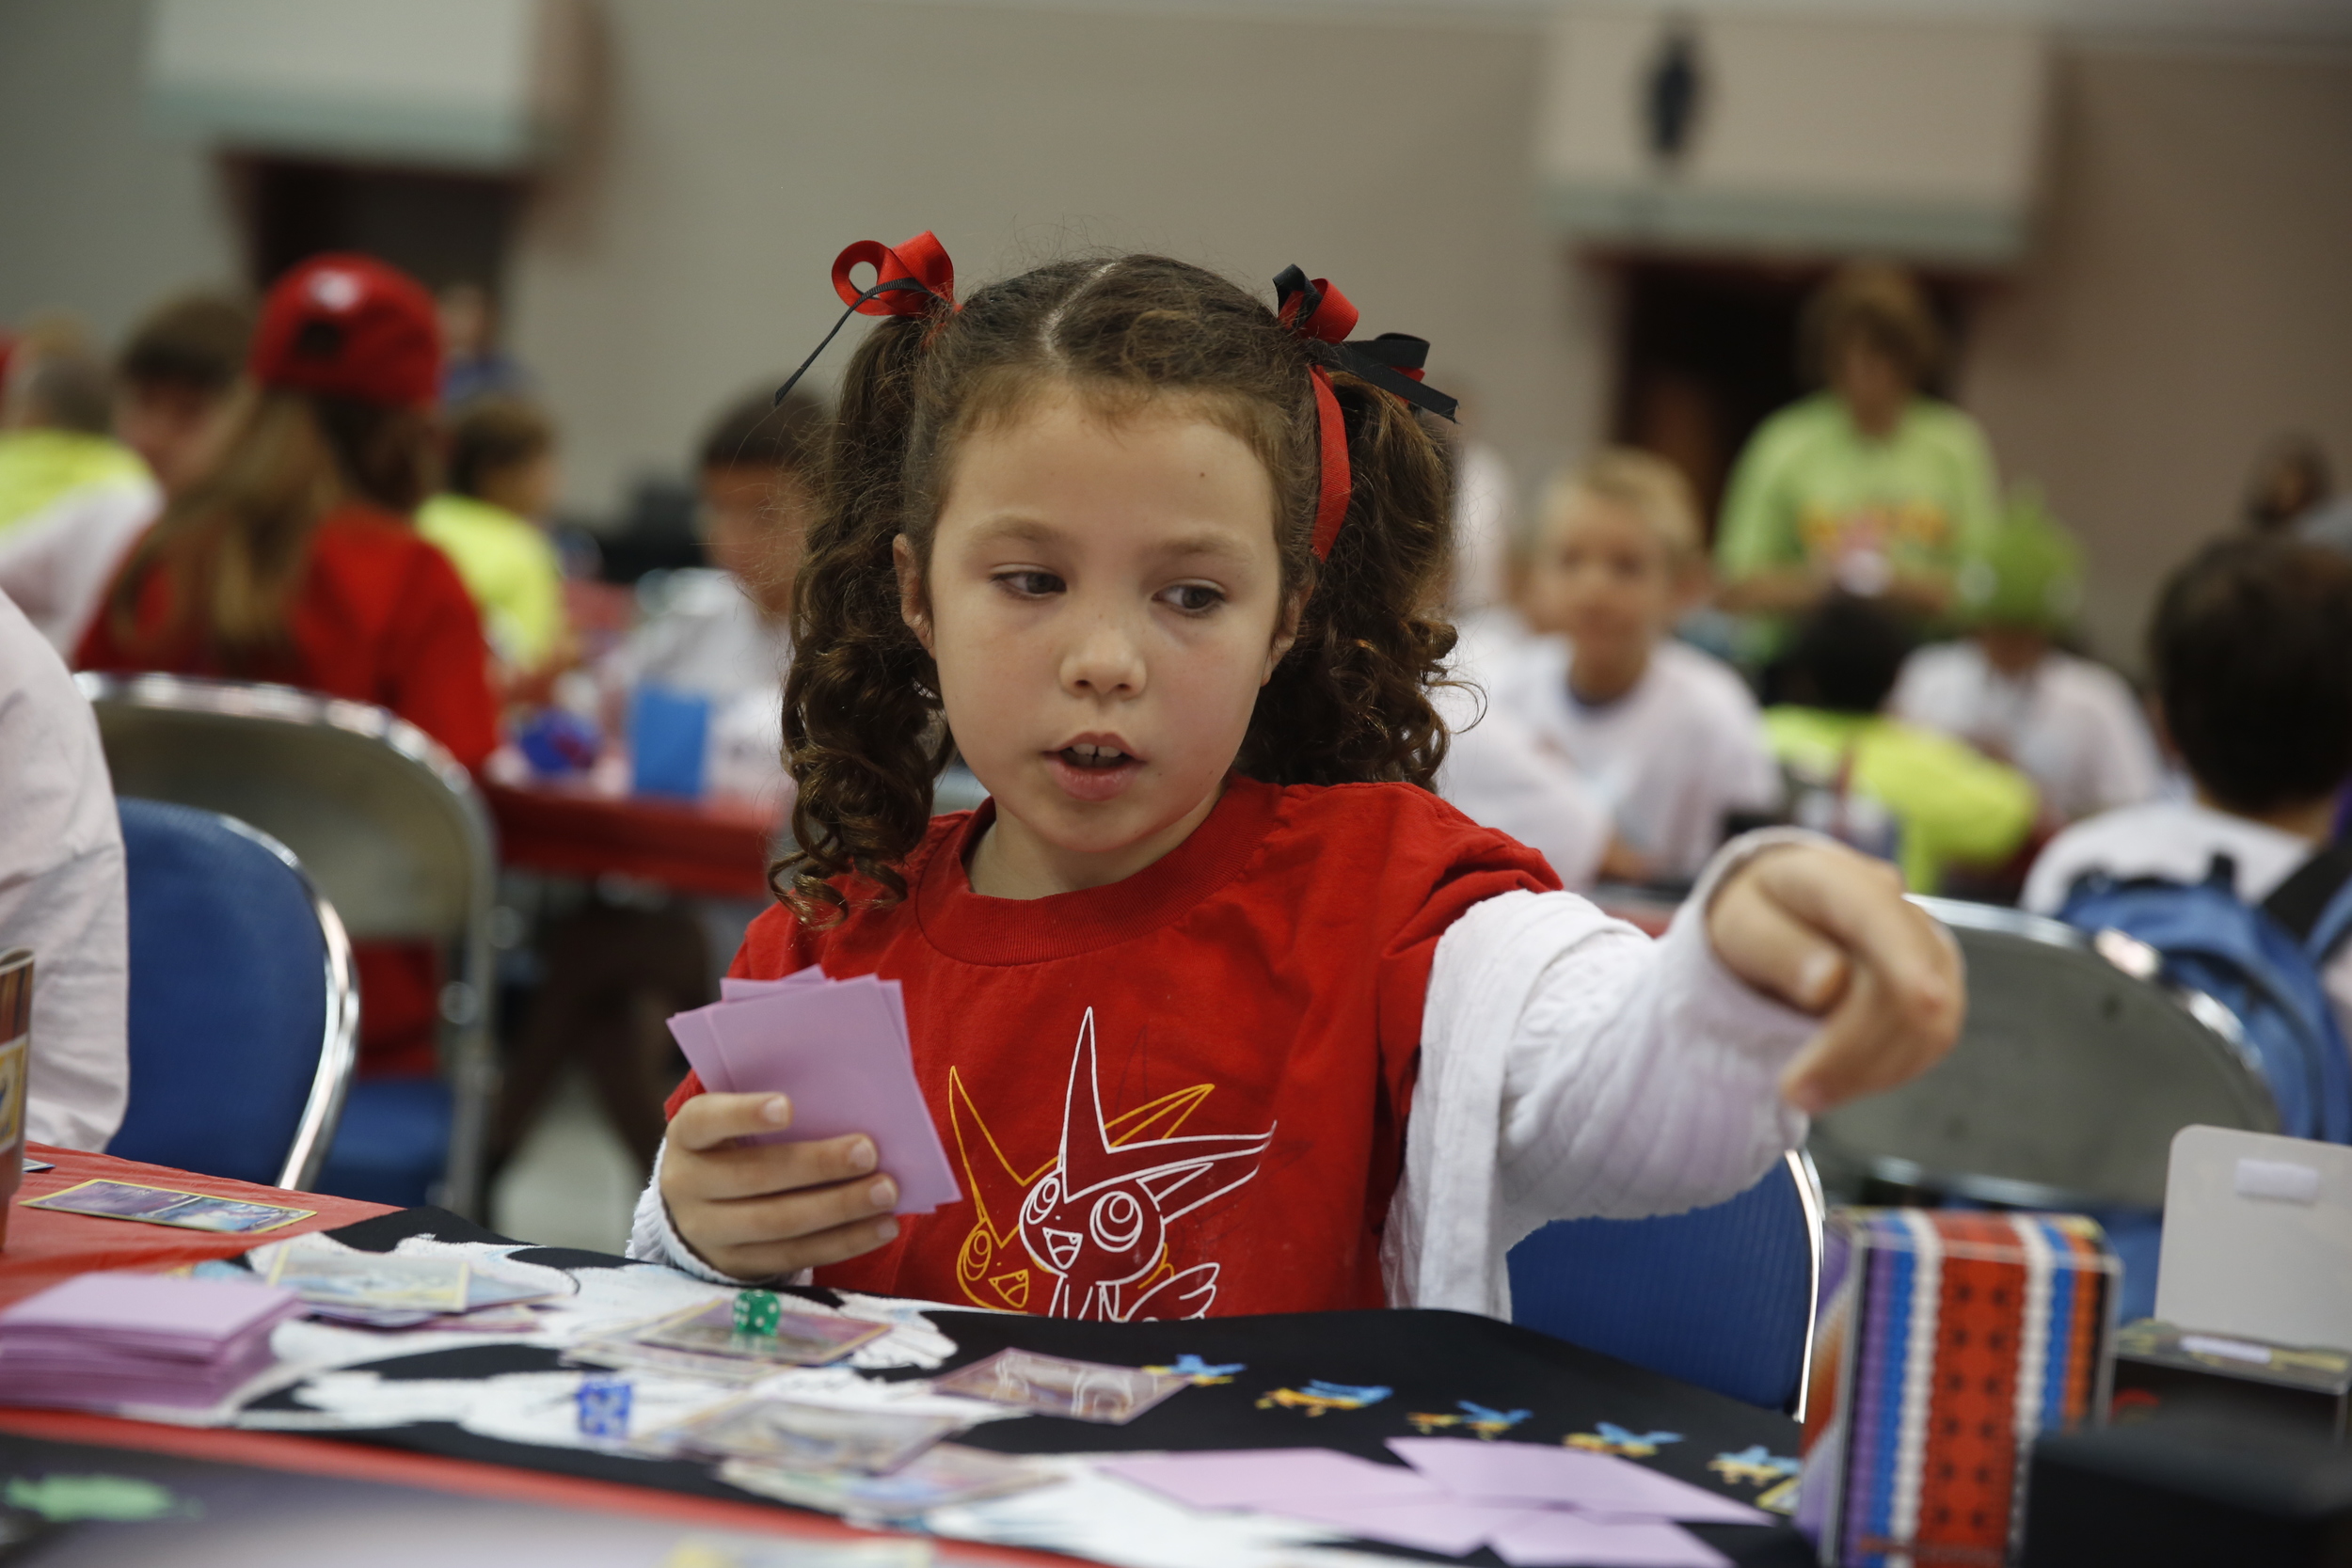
(798, 1215)
(1868, 1044)
(767, 1260)
(759, 1171)
(708, 1120)
(1759, 941)
(1858, 904)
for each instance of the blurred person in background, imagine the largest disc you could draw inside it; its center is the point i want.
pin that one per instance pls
(473, 365)
(173, 404)
(1667, 736)
(720, 632)
(615, 971)
(2006, 688)
(54, 413)
(503, 482)
(1868, 488)
(2292, 491)
(294, 560)
(1922, 800)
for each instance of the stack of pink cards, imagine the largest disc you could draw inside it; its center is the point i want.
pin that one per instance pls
(840, 1049)
(1536, 1506)
(99, 1340)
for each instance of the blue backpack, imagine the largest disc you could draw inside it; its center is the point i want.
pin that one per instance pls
(2261, 962)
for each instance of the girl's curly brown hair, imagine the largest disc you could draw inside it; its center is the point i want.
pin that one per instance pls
(863, 732)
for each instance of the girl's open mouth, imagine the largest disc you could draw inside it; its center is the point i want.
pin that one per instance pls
(1089, 771)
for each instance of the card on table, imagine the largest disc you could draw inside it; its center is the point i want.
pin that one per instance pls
(380, 1281)
(130, 1200)
(799, 1340)
(937, 1478)
(803, 1436)
(32, 1165)
(1053, 1385)
(1262, 1477)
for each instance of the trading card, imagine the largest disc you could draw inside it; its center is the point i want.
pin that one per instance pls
(384, 1281)
(803, 1436)
(798, 1340)
(1051, 1385)
(128, 1200)
(32, 1165)
(937, 1478)
(729, 1551)
(625, 1356)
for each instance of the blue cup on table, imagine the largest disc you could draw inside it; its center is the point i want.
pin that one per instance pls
(669, 735)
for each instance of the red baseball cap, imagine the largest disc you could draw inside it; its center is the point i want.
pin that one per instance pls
(352, 326)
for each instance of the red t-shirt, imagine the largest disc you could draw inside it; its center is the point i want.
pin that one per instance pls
(1181, 1093)
(380, 616)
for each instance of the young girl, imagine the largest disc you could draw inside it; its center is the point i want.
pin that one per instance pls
(1218, 1009)
(291, 560)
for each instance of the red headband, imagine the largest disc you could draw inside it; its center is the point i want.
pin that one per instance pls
(1393, 363)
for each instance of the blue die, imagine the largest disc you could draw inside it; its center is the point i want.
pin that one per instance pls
(604, 1407)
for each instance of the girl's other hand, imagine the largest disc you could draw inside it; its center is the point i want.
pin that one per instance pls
(757, 1211)
(1830, 932)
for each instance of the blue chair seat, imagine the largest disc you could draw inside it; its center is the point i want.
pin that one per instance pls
(393, 1144)
(1721, 1297)
(241, 1012)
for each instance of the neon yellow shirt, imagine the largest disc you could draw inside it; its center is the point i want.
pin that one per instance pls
(39, 467)
(509, 567)
(1951, 802)
(1811, 488)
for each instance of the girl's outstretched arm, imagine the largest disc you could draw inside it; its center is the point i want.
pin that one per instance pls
(1570, 1067)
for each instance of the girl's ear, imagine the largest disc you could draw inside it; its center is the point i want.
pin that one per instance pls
(913, 607)
(1285, 632)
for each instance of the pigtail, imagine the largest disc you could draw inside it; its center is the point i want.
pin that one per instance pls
(1349, 702)
(862, 739)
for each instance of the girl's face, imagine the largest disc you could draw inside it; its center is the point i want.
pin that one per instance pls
(1103, 603)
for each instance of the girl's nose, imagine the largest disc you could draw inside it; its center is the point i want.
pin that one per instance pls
(1105, 659)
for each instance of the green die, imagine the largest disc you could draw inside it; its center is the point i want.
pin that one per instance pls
(758, 1313)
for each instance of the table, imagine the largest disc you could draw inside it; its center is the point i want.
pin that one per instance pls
(1428, 1362)
(45, 1246)
(718, 846)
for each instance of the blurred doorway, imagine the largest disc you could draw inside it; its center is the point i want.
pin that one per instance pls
(443, 228)
(1707, 349)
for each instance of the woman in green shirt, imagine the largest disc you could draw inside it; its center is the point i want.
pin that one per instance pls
(1869, 486)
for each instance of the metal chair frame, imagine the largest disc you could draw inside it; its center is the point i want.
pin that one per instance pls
(2129, 958)
(338, 1042)
(1816, 1205)
(465, 1003)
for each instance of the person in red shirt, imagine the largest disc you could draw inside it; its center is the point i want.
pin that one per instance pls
(291, 560)
(1218, 1009)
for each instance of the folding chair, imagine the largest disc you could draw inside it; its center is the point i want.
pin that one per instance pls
(1722, 1296)
(393, 833)
(244, 1016)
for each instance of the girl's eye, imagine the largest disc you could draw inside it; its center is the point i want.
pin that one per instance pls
(1030, 585)
(1193, 598)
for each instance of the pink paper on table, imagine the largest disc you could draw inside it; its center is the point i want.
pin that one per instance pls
(1556, 1538)
(840, 1050)
(1438, 1524)
(1597, 1483)
(1270, 1478)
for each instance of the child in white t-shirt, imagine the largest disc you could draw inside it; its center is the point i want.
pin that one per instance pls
(2072, 725)
(1664, 737)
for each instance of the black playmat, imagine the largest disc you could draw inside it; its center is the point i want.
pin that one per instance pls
(1430, 1361)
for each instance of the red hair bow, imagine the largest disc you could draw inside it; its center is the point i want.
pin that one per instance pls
(902, 277)
(907, 278)
(1393, 363)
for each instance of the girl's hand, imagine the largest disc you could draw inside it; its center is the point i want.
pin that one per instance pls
(756, 1210)
(1830, 932)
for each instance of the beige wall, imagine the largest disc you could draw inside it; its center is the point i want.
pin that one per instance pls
(746, 141)
(2191, 295)
(2191, 298)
